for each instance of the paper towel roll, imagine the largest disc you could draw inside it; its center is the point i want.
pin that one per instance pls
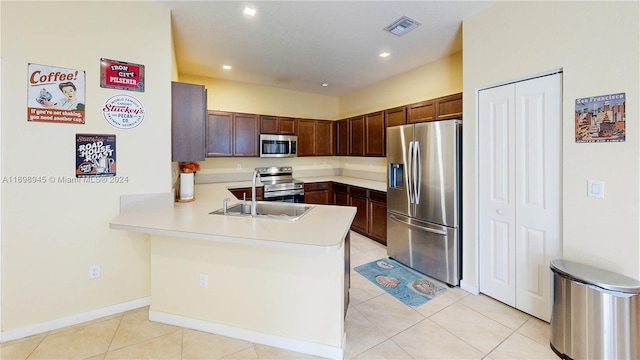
(186, 186)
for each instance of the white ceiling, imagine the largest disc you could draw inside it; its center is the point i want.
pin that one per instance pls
(299, 45)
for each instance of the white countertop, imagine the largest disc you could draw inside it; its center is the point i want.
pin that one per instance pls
(369, 184)
(323, 228)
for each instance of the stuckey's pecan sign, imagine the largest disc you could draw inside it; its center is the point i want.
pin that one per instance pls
(123, 111)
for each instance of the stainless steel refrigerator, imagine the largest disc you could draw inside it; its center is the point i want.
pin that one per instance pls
(423, 198)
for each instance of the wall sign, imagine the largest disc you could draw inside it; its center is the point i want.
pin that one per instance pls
(123, 111)
(95, 155)
(55, 95)
(121, 75)
(601, 118)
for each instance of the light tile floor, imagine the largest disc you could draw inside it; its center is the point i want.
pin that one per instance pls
(456, 325)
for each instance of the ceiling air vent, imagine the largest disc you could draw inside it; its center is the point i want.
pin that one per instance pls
(402, 26)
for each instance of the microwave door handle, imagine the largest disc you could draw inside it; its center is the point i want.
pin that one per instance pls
(289, 148)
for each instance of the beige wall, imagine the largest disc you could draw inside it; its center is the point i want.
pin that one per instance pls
(433, 80)
(440, 78)
(53, 232)
(597, 46)
(257, 99)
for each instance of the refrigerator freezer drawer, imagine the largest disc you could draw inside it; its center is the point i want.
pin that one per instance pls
(431, 249)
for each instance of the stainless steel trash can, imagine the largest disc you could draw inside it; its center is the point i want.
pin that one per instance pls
(595, 313)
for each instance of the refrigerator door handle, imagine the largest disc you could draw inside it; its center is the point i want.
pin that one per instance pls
(439, 232)
(417, 172)
(410, 173)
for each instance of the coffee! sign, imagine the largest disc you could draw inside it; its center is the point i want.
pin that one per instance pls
(123, 111)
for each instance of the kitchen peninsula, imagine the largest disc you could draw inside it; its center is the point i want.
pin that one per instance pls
(276, 282)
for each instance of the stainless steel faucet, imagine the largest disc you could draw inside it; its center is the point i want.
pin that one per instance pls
(254, 203)
(225, 204)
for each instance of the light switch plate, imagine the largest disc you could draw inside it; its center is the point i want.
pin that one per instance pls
(595, 189)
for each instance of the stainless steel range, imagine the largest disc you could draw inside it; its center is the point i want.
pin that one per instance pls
(279, 184)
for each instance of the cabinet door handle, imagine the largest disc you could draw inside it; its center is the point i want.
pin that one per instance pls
(499, 212)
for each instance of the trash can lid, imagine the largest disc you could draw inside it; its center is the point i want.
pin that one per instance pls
(590, 275)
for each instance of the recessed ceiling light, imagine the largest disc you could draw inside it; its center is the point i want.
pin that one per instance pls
(384, 54)
(226, 67)
(325, 84)
(249, 11)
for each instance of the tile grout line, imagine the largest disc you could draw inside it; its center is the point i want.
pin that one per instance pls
(36, 347)
(513, 331)
(114, 335)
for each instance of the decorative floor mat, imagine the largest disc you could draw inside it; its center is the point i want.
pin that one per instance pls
(406, 285)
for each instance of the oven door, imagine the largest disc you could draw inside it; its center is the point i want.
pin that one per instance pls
(283, 197)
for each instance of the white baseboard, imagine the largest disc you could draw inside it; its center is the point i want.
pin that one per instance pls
(469, 288)
(305, 347)
(73, 319)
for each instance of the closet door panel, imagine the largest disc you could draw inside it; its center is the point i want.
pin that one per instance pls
(497, 193)
(539, 174)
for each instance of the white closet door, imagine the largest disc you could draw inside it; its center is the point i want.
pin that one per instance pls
(497, 192)
(538, 176)
(519, 191)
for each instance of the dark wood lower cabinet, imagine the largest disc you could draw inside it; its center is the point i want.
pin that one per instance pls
(358, 198)
(340, 194)
(371, 206)
(318, 193)
(239, 193)
(378, 216)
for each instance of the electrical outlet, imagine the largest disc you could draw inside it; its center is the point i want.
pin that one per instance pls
(94, 271)
(239, 167)
(204, 280)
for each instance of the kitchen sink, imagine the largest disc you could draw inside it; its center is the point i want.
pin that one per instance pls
(268, 209)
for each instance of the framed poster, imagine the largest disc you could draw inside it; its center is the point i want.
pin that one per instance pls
(95, 155)
(55, 95)
(121, 75)
(601, 118)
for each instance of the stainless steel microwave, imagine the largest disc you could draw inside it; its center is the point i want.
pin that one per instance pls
(278, 145)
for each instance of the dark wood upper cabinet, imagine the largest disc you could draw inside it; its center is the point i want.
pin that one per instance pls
(219, 134)
(449, 107)
(232, 134)
(396, 116)
(374, 140)
(325, 137)
(306, 137)
(277, 125)
(356, 136)
(422, 111)
(315, 137)
(342, 137)
(245, 135)
(188, 121)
